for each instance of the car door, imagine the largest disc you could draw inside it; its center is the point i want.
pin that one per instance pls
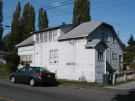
(20, 75)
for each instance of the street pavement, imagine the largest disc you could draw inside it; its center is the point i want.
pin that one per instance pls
(23, 92)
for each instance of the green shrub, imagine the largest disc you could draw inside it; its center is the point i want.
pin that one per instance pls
(8, 68)
(12, 59)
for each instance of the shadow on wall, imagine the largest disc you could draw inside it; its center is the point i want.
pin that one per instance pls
(127, 97)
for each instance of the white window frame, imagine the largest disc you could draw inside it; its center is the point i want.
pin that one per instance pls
(37, 38)
(41, 37)
(53, 56)
(114, 56)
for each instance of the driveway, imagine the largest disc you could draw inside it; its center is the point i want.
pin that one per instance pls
(128, 86)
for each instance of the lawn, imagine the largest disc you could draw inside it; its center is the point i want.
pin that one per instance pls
(4, 71)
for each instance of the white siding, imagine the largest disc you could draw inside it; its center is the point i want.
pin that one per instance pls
(74, 61)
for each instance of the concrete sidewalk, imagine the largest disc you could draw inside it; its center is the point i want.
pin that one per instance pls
(127, 86)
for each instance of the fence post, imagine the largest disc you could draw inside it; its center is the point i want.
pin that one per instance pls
(113, 79)
(125, 77)
(134, 75)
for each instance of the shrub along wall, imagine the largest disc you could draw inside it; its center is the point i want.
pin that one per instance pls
(6, 69)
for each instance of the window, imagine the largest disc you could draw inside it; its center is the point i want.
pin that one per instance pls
(113, 40)
(114, 56)
(100, 54)
(41, 37)
(50, 35)
(45, 36)
(55, 35)
(26, 59)
(120, 58)
(22, 70)
(53, 56)
(37, 38)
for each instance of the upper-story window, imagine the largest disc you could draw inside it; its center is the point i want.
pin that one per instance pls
(120, 58)
(55, 35)
(50, 35)
(47, 36)
(115, 56)
(100, 55)
(41, 37)
(37, 38)
(113, 40)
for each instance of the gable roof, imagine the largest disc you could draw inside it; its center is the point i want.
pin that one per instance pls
(81, 30)
(28, 41)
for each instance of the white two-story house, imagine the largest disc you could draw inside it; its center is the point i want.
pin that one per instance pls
(75, 52)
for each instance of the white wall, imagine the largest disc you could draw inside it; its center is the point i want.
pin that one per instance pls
(74, 60)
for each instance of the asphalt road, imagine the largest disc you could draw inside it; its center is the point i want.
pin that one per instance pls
(23, 92)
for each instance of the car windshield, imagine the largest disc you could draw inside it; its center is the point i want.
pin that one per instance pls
(40, 69)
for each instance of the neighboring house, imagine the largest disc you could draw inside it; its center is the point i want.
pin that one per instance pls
(2, 61)
(84, 52)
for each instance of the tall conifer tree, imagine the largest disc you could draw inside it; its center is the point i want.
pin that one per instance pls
(131, 41)
(15, 27)
(28, 20)
(42, 19)
(1, 19)
(81, 12)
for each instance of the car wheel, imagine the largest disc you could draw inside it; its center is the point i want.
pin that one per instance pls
(32, 82)
(12, 79)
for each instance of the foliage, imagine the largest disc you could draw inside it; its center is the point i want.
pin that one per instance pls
(1, 27)
(16, 36)
(42, 19)
(12, 58)
(7, 44)
(28, 20)
(131, 41)
(129, 55)
(6, 69)
(81, 12)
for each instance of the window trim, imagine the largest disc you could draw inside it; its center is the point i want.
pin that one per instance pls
(53, 56)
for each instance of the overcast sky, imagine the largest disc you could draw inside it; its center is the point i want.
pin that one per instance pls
(118, 13)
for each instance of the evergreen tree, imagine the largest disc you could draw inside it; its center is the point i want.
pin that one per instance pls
(15, 27)
(1, 27)
(28, 20)
(131, 41)
(6, 42)
(42, 19)
(81, 12)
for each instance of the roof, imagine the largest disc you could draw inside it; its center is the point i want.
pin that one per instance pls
(92, 43)
(81, 30)
(66, 26)
(28, 41)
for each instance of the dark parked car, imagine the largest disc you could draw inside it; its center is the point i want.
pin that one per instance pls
(33, 76)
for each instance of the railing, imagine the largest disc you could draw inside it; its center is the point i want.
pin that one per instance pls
(122, 77)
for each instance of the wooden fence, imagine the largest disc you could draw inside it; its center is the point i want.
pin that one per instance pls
(122, 77)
